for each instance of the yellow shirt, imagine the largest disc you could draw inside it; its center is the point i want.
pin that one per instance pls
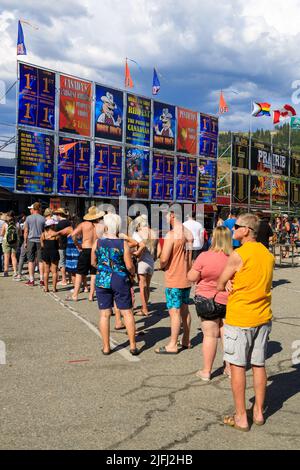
(249, 305)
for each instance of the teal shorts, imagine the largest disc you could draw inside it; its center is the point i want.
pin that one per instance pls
(177, 297)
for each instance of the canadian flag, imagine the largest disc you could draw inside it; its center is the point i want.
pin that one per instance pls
(284, 113)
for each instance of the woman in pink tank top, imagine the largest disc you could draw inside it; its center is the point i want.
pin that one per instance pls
(205, 272)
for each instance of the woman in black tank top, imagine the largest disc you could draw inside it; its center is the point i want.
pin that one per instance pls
(50, 253)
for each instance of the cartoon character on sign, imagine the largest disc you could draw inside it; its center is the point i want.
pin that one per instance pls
(108, 108)
(166, 130)
(202, 170)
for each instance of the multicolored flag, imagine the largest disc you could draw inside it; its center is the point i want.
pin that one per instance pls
(261, 109)
(284, 113)
(21, 49)
(223, 108)
(155, 83)
(128, 79)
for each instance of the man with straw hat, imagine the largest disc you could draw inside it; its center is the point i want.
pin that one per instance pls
(87, 230)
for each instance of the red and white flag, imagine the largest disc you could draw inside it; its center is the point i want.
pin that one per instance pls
(284, 113)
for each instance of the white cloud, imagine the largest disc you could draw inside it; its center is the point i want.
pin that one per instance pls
(199, 47)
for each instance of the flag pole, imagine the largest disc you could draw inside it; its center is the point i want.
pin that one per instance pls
(249, 157)
(289, 165)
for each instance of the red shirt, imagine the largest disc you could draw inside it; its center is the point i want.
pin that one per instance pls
(211, 265)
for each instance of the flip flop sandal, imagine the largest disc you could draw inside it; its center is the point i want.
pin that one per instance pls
(134, 352)
(70, 299)
(163, 350)
(230, 421)
(202, 377)
(140, 313)
(105, 353)
(120, 328)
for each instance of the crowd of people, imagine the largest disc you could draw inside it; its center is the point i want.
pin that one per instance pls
(231, 271)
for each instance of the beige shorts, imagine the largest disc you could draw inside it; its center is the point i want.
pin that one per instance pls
(8, 249)
(145, 268)
(243, 345)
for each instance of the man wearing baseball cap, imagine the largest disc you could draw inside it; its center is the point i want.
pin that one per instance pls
(33, 229)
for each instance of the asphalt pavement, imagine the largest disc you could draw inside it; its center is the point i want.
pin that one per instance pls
(58, 391)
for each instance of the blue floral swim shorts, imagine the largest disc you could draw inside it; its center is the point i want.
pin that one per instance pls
(177, 297)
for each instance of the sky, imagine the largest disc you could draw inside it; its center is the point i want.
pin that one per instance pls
(247, 49)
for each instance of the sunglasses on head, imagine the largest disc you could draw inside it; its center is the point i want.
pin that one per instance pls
(237, 226)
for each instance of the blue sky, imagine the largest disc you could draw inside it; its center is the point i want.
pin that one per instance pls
(197, 46)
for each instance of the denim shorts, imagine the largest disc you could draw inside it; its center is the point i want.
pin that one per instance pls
(177, 297)
(119, 292)
(243, 345)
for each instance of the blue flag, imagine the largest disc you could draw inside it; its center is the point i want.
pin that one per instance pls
(21, 49)
(155, 83)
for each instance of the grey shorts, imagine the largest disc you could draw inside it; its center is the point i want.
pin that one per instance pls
(62, 259)
(246, 344)
(34, 250)
(145, 268)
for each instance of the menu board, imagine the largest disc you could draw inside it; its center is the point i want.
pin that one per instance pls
(186, 179)
(108, 113)
(138, 120)
(208, 141)
(75, 106)
(164, 125)
(73, 168)
(137, 173)
(207, 188)
(162, 177)
(108, 170)
(36, 97)
(35, 162)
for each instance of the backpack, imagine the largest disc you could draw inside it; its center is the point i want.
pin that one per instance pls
(11, 235)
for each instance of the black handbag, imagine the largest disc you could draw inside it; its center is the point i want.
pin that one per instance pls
(206, 308)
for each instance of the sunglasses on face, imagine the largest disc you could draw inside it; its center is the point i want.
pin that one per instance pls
(237, 226)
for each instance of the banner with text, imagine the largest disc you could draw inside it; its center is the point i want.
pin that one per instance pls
(108, 170)
(263, 160)
(75, 106)
(36, 105)
(208, 141)
(108, 113)
(137, 173)
(35, 159)
(162, 177)
(73, 168)
(138, 120)
(186, 179)
(186, 131)
(239, 191)
(240, 152)
(207, 181)
(164, 125)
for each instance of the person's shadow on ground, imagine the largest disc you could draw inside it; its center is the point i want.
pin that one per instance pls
(283, 386)
(280, 282)
(274, 347)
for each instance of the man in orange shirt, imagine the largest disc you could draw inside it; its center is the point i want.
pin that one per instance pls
(248, 277)
(175, 261)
